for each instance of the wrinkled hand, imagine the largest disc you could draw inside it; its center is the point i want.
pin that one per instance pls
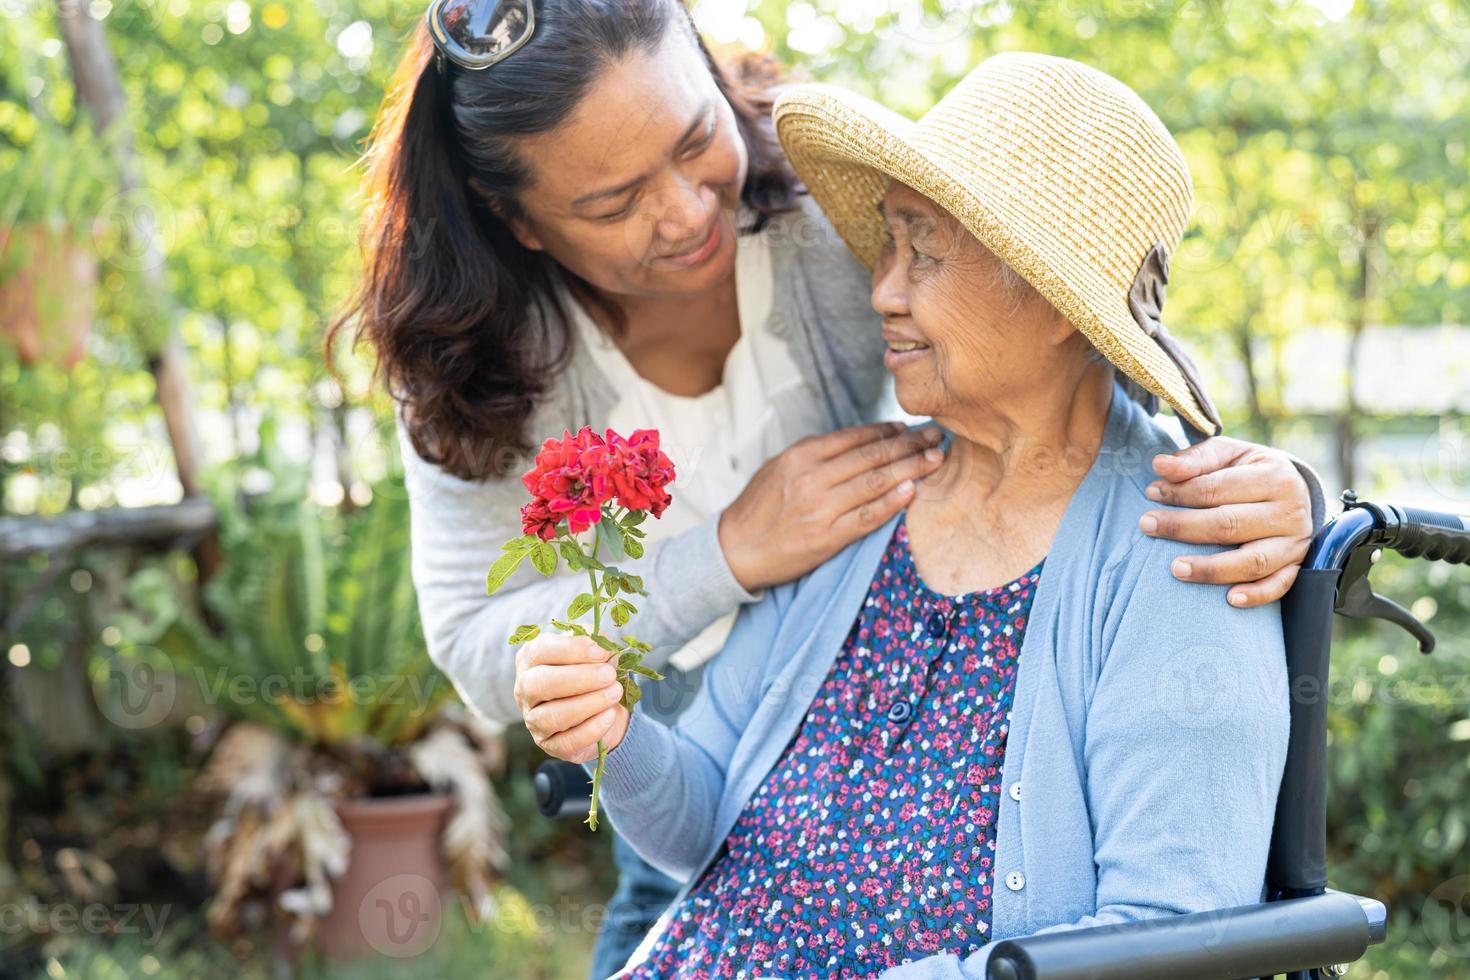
(1242, 494)
(567, 690)
(811, 501)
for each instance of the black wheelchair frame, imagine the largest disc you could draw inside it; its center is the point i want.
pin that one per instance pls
(1304, 930)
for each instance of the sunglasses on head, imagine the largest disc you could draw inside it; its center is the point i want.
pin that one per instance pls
(476, 34)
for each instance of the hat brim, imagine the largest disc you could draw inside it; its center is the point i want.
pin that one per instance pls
(846, 148)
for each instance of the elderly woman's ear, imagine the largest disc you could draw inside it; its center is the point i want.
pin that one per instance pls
(1247, 495)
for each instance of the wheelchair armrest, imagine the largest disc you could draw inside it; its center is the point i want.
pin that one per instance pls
(1223, 944)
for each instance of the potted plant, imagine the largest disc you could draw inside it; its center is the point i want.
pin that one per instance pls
(53, 187)
(354, 790)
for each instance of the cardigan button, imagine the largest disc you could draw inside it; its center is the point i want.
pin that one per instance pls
(1015, 791)
(936, 626)
(1015, 881)
(899, 711)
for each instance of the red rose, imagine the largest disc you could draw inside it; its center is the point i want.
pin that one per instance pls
(575, 475)
(634, 470)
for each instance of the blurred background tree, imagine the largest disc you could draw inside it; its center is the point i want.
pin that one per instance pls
(1325, 285)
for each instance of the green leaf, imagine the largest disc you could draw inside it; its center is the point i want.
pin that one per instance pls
(612, 536)
(634, 518)
(520, 545)
(504, 566)
(605, 643)
(647, 672)
(629, 660)
(543, 556)
(631, 608)
(636, 532)
(631, 693)
(620, 614)
(580, 605)
(573, 556)
(525, 633)
(633, 547)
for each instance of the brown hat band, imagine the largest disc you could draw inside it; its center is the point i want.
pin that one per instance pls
(1146, 301)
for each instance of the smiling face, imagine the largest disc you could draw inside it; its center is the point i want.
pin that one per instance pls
(637, 191)
(966, 335)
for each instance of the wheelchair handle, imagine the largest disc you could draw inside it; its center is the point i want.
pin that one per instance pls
(1351, 543)
(1432, 535)
(562, 789)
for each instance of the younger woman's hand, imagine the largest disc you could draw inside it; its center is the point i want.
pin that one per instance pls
(567, 690)
(1243, 494)
(822, 494)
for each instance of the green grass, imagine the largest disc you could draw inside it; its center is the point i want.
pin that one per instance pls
(522, 940)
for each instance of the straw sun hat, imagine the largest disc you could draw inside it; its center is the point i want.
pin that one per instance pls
(1060, 170)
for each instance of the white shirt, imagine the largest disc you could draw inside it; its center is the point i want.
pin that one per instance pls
(716, 440)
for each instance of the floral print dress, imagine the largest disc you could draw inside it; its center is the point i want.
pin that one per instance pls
(872, 840)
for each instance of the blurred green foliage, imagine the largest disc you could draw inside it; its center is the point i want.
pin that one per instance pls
(315, 626)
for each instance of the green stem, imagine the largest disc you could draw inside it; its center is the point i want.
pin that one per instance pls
(597, 784)
(597, 629)
(592, 578)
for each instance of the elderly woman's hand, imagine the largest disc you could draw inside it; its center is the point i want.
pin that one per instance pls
(567, 690)
(1244, 494)
(820, 495)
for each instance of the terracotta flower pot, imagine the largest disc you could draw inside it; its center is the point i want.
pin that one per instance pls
(391, 898)
(48, 302)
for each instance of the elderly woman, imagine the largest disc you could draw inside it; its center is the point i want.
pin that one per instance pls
(996, 715)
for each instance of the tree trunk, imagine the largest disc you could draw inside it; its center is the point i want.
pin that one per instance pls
(99, 88)
(1347, 432)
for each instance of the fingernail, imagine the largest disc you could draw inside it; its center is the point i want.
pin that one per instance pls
(1148, 524)
(1153, 492)
(613, 692)
(933, 436)
(1181, 568)
(905, 488)
(934, 455)
(896, 427)
(607, 673)
(1237, 598)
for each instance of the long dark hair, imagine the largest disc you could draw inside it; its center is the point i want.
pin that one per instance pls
(447, 292)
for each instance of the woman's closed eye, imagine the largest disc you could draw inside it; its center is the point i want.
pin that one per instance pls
(617, 215)
(705, 141)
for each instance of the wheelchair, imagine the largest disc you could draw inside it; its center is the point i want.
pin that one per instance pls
(1304, 930)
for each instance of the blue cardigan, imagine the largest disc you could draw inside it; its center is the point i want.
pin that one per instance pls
(1147, 737)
